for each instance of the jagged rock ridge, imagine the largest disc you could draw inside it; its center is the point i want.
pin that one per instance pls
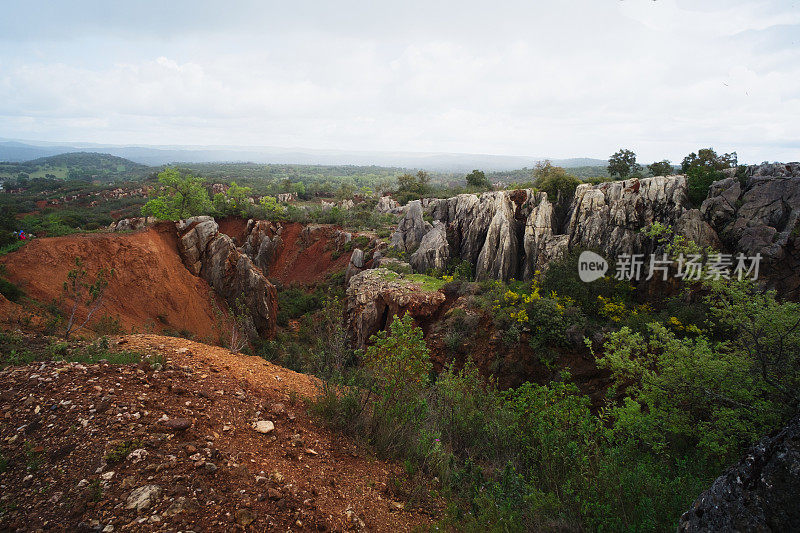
(512, 234)
(232, 274)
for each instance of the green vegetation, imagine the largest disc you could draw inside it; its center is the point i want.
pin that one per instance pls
(120, 450)
(478, 180)
(623, 164)
(661, 168)
(702, 169)
(87, 166)
(689, 395)
(81, 292)
(554, 181)
(16, 349)
(183, 196)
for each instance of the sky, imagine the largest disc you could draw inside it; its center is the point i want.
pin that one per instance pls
(566, 78)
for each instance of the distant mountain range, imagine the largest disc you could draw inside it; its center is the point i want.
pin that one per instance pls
(18, 151)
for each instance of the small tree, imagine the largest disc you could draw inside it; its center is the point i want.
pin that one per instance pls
(623, 163)
(660, 168)
(478, 179)
(272, 209)
(80, 291)
(704, 168)
(400, 364)
(183, 197)
(554, 180)
(234, 201)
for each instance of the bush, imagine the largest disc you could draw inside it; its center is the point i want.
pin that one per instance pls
(10, 291)
(294, 302)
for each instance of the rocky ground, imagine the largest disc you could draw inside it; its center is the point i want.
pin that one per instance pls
(206, 441)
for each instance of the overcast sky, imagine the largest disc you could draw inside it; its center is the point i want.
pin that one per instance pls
(557, 78)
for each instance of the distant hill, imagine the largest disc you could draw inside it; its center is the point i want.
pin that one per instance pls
(77, 165)
(17, 151)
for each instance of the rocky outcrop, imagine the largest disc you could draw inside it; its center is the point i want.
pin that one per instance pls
(610, 216)
(759, 215)
(540, 241)
(355, 265)
(375, 296)
(258, 245)
(388, 205)
(411, 228)
(513, 234)
(213, 255)
(131, 224)
(760, 493)
(433, 251)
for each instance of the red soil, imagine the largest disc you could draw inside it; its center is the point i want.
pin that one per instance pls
(151, 287)
(306, 261)
(234, 227)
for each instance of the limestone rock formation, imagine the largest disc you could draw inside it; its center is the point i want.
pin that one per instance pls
(540, 241)
(411, 228)
(232, 274)
(760, 493)
(610, 216)
(433, 251)
(131, 224)
(388, 205)
(761, 217)
(512, 234)
(374, 296)
(355, 265)
(258, 245)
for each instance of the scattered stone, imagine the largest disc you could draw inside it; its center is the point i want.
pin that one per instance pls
(177, 424)
(137, 455)
(264, 426)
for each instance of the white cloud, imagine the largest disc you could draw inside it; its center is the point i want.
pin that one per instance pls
(663, 78)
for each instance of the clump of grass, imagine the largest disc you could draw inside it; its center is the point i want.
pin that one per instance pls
(120, 450)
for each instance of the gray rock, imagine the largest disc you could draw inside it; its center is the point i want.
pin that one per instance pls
(143, 498)
(692, 226)
(433, 251)
(355, 265)
(131, 224)
(375, 296)
(760, 493)
(232, 274)
(388, 205)
(411, 228)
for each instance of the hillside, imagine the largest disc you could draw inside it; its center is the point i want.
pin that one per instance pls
(170, 443)
(88, 166)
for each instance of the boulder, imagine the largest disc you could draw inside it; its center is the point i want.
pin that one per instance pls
(760, 493)
(131, 224)
(143, 498)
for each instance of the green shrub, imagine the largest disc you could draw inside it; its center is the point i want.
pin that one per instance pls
(10, 291)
